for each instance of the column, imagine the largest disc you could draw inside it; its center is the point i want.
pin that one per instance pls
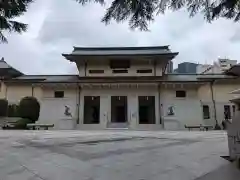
(105, 110)
(133, 110)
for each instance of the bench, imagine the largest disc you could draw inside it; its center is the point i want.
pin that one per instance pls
(200, 127)
(40, 126)
(8, 124)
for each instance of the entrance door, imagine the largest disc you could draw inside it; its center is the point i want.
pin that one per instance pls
(91, 110)
(120, 114)
(146, 109)
(119, 109)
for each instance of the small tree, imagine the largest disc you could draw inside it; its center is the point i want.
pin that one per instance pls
(29, 108)
(3, 107)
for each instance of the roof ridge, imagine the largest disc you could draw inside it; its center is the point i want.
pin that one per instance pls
(50, 75)
(121, 47)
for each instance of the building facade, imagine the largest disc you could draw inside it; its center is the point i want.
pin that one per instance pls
(123, 88)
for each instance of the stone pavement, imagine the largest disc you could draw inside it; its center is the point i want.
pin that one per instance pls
(112, 155)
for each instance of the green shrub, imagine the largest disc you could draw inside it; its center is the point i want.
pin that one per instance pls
(22, 124)
(29, 108)
(13, 110)
(3, 107)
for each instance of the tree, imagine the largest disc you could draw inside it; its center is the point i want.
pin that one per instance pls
(10, 9)
(138, 12)
(29, 108)
(141, 12)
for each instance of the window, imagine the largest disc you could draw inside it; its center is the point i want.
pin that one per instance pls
(96, 71)
(206, 112)
(181, 94)
(119, 71)
(59, 94)
(119, 64)
(144, 71)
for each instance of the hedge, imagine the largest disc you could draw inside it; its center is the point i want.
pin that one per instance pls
(3, 107)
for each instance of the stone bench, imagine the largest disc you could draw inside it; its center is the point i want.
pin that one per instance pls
(200, 127)
(39, 126)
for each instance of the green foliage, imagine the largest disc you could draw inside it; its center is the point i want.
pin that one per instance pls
(3, 107)
(9, 10)
(22, 124)
(141, 12)
(13, 110)
(29, 108)
(19, 124)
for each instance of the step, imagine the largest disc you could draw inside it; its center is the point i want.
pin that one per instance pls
(117, 125)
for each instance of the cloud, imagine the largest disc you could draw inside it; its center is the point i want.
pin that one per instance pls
(57, 25)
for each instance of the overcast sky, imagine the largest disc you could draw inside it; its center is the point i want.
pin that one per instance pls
(57, 25)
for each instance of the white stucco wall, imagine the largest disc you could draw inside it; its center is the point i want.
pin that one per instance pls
(159, 68)
(132, 71)
(187, 110)
(81, 68)
(52, 109)
(221, 97)
(2, 90)
(15, 93)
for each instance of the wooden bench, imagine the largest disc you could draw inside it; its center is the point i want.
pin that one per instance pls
(40, 126)
(200, 127)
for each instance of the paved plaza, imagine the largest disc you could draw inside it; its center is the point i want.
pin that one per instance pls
(113, 155)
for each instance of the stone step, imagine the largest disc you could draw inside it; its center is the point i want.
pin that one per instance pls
(117, 125)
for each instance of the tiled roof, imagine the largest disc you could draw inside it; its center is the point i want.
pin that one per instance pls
(4, 65)
(181, 77)
(234, 70)
(121, 51)
(45, 78)
(215, 76)
(7, 70)
(111, 79)
(196, 77)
